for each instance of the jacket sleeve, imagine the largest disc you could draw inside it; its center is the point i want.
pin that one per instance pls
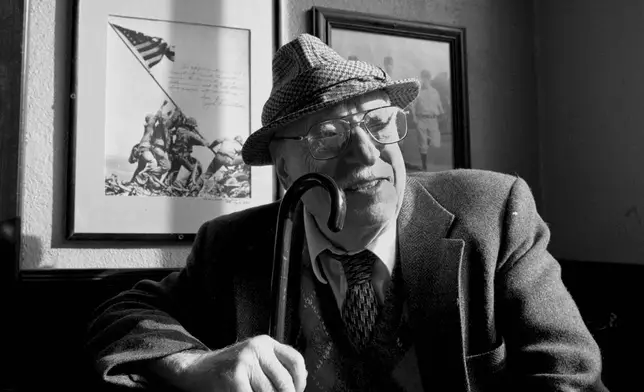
(155, 319)
(549, 347)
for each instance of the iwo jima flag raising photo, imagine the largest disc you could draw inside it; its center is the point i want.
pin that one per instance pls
(163, 163)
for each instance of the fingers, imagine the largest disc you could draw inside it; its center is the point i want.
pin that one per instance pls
(259, 381)
(278, 376)
(293, 362)
(262, 364)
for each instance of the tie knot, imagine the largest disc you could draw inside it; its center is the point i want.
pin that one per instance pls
(357, 267)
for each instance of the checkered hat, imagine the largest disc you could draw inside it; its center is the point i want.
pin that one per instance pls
(309, 76)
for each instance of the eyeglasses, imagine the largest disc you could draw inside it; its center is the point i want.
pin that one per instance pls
(327, 139)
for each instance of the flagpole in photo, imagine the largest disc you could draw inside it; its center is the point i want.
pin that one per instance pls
(149, 51)
(140, 45)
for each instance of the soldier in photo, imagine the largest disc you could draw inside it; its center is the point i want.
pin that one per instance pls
(427, 110)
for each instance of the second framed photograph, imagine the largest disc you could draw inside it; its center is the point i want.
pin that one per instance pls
(165, 92)
(438, 126)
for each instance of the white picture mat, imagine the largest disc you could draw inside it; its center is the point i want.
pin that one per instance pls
(94, 212)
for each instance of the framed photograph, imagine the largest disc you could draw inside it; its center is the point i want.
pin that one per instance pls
(438, 131)
(162, 103)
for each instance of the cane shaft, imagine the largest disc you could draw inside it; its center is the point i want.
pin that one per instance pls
(283, 235)
(280, 283)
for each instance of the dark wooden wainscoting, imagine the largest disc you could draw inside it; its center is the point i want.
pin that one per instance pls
(52, 309)
(51, 312)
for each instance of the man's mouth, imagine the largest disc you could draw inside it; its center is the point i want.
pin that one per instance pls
(365, 185)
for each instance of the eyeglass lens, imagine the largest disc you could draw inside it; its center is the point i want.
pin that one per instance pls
(387, 125)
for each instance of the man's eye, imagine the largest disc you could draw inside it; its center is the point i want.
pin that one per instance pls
(378, 122)
(377, 125)
(327, 132)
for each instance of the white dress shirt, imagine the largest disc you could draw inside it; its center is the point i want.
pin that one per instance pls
(331, 271)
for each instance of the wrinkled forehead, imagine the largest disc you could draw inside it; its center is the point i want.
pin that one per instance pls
(358, 104)
(372, 100)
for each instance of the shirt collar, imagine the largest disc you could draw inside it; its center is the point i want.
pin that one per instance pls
(383, 245)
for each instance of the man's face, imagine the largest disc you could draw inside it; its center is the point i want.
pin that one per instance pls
(371, 174)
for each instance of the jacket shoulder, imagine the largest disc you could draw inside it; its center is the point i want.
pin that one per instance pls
(467, 187)
(478, 199)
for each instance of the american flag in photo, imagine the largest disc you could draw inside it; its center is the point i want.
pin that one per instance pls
(152, 49)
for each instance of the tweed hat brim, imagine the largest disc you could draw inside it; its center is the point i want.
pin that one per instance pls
(255, 151)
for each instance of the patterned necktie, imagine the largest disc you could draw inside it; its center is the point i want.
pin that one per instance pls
(360, 307)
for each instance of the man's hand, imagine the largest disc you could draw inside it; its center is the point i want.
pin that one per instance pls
(259, 364)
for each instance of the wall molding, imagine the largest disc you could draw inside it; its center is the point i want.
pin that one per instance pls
(134, 274)
(93, 275)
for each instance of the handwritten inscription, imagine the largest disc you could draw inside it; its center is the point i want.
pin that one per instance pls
(243, 202)
(214, 86)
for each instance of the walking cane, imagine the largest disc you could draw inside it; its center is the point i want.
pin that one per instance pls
(282, 250)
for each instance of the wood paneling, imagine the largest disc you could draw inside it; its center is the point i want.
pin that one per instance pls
(55, 306)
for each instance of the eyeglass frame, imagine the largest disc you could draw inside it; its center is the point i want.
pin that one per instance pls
(351, 126)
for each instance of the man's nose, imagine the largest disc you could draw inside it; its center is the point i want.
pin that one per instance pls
(363, 148)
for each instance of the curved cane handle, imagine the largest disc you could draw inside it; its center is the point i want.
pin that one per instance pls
(281, 254)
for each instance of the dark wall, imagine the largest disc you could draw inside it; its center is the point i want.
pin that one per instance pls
(591, 89)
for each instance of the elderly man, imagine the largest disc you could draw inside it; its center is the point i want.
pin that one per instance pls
(438, 282)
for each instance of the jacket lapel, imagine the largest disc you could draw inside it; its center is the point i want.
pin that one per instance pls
(430, 265)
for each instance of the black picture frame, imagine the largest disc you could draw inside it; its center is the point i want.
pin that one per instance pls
(326, 21)
(76, 205)
(13, 15)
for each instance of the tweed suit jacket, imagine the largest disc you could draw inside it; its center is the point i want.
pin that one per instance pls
(487, 306)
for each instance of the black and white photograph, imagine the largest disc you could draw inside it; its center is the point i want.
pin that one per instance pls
(428, 145)
(160, 111)
(437, 137)
(176, 117)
